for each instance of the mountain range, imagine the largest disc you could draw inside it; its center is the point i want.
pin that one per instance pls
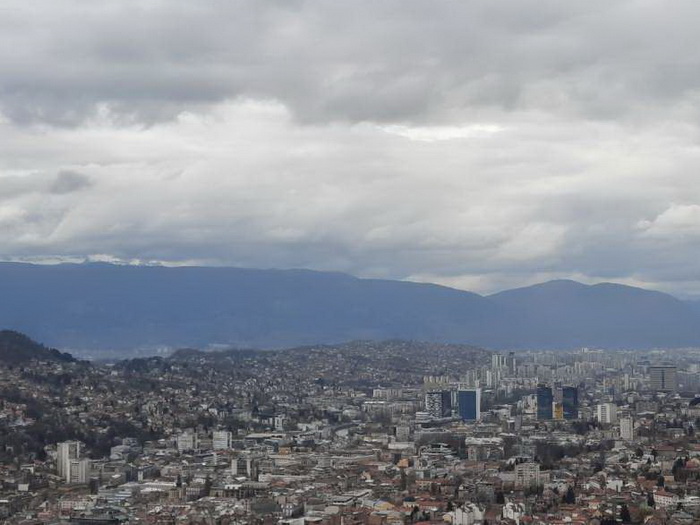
(99, 306)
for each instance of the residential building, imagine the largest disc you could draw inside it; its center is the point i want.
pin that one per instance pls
(663, 378)
(66, 452)
(606, 413)
(627, 428)
(527, 474)
(78, 471)
(438, 403)
(221, 440)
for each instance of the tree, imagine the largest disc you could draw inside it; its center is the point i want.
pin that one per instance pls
(625, 516)
(570, 496)
(677, 466)
(660, 482)
(650, 500)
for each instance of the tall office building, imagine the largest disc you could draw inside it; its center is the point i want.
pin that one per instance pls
(627, 428)
(492, 378)
(498, 361)
(66, 451)
(69, 464)
(545, 398)
(663, 378)
(511, 362)
(570, 402)
(438, 403)
(607, 413)
(79, 471)
(469, 404)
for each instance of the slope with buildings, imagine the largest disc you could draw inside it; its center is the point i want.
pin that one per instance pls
(376, 433)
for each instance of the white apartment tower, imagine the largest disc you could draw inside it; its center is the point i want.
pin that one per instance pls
(69, 464)
(221, 440)
(627, 428)
(79, 471)
(527, 474)
(607, 413)
(186, 441)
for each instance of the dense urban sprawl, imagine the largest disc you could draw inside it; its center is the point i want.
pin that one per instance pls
(377, 433)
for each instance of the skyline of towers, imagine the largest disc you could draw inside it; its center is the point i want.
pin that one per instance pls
(556, 402)
(462, 402)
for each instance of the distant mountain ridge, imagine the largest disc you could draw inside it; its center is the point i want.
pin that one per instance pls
(17, 348)
(605, 314)
(104, 306)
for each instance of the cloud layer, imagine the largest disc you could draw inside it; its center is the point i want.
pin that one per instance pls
(479, 144)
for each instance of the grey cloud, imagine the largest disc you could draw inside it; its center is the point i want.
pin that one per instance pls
(481, 144)
(395, 61)
(69, 182)
(14, 187)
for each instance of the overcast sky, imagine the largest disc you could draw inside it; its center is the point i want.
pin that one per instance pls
(478, 144)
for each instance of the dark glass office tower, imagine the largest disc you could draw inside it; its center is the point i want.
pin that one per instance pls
(544, 402)
(570, 402)
(469, 404)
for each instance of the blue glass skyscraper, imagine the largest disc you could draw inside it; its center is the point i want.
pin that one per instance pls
(469, 404)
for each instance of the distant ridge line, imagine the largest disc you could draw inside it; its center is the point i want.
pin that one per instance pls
(115, 308)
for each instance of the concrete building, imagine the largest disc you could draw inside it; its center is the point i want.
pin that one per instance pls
(627, 428)
(606, 413)
(438, 403)
(221, 440)
(498, 361)
(663, 378)
(66, 452)
(78, 471)
(186, 441)
(527, 474)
